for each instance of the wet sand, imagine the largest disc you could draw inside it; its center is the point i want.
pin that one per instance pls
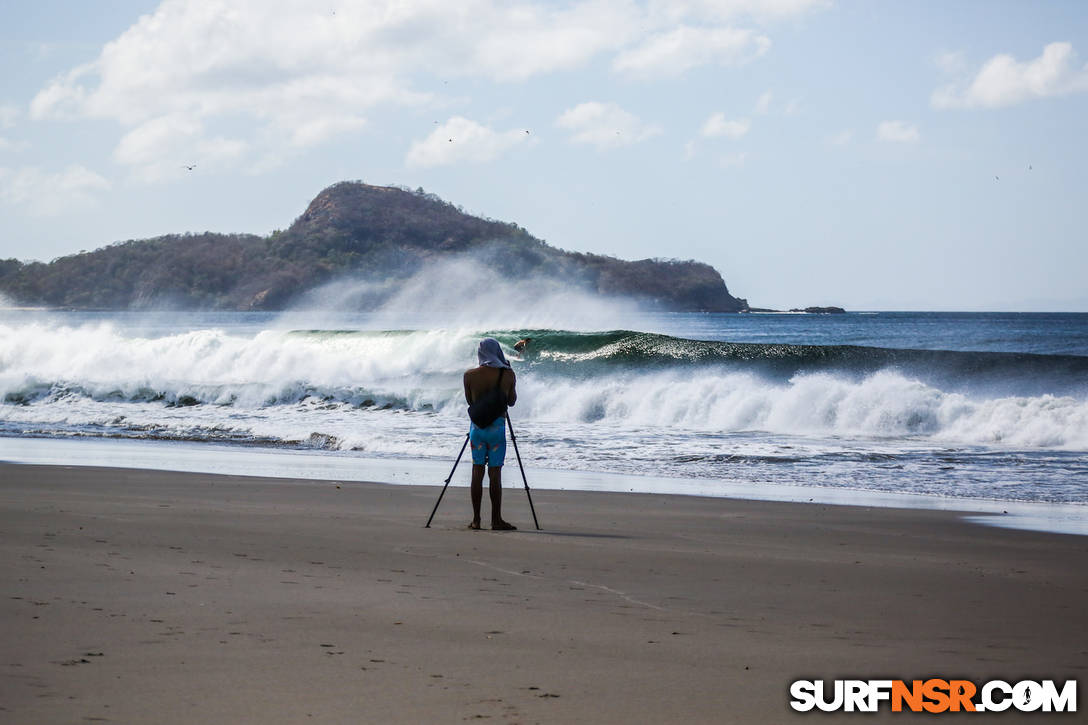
(140, 596)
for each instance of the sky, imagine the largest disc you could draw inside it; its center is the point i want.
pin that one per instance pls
(907, 155)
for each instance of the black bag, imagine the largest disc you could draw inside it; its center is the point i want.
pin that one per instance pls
(490, 406)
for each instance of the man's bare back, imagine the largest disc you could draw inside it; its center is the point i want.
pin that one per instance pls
(479, 380)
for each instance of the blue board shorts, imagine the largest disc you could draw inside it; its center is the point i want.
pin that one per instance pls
(488, 444)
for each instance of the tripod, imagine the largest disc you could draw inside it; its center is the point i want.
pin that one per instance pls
(520, 466)
(523, 479)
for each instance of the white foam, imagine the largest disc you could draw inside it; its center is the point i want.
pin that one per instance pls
(882, 405)
(287, 385)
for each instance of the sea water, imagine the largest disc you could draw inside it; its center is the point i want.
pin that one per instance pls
(984, 406)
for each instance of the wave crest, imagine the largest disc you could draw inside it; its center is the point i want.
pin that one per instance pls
(615, 378)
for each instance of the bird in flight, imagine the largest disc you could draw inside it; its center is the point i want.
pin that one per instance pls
(997, 178)
(188, 167)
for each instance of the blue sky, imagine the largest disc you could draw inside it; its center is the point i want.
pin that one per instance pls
(874, 155)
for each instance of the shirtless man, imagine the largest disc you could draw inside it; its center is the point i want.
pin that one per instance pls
(489, 444)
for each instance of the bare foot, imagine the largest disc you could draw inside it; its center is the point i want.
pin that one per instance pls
(501, 525)
(475, 525)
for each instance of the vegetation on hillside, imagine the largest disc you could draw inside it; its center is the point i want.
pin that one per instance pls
(350, 230)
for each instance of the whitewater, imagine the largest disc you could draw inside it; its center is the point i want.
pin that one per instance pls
(983, 406)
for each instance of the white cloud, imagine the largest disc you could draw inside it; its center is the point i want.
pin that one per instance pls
(520, 39)
(251, 82)
(6, 144)
(161, 148)
(8, 115)
(763, 104)
(310, 132)
(1004, 81)
(842, 138)
(897, 131)
(733, 160)
(678, 50)
(728, 10)
(953, 62)
(717, 125)
(48, 194)
(463, 140)
(300, 75)
(605, 125)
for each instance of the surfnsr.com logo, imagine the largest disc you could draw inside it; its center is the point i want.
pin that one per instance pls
(933, 696)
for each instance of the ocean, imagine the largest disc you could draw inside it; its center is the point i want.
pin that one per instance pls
(982, 406)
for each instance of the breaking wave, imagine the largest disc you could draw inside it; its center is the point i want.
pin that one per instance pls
(291, 383)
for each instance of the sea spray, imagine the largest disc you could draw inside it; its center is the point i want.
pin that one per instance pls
(468, 292)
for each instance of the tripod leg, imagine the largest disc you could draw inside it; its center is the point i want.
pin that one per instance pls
(523, 479)
(448, 479)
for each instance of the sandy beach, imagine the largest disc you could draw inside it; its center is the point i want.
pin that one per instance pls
(138, 596)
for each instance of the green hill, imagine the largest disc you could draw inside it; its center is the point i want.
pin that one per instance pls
(350, 230)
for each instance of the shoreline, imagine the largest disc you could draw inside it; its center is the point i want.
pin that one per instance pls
(214, 458)
(139, 596)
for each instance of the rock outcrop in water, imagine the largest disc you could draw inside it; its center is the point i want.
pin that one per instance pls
(350, 230)
(808, 310)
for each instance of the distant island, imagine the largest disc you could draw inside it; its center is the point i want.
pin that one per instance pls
(821, 310)
(351, 230)
(809, 310)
